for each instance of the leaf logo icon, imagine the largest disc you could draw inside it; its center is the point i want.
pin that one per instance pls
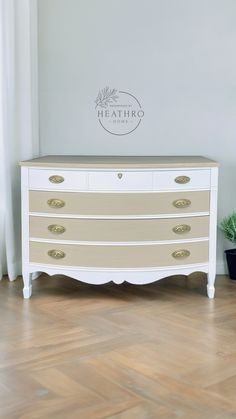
(106, 96)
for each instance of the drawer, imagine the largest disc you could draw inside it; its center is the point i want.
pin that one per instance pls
(120, 181)
(182, 179)
(57, 179)
(125, 256)
(118, 204)
(118, 230)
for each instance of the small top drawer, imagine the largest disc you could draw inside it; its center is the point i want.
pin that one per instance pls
(120, 181)
(182, 179)
(57, 179)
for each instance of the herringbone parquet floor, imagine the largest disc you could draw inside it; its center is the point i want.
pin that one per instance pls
(160, 351)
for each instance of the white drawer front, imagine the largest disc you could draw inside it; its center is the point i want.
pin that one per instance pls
(181, 179)
(120, 181)
(57, 179)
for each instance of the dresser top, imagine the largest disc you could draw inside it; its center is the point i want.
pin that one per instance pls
(120, 161)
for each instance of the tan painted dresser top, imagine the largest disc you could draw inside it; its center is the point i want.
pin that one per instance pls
(131, 162)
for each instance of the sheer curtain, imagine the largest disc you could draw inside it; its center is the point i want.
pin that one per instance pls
(18, 119)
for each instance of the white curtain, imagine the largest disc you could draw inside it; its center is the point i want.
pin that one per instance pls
(18, 119)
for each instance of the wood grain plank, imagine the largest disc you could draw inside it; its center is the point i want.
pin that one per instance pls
(156, 351)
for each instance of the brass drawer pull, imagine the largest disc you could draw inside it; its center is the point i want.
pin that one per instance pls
(182, 203)
(56, 229)
(56, 203)
(181, 254)
(181, 229)
(120, 175)
(182, 179)
(56, 179)
(56, 254)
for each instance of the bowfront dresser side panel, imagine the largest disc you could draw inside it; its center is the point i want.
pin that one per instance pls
(135, 219)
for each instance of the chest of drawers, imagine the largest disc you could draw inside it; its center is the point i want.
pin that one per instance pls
(134, 219)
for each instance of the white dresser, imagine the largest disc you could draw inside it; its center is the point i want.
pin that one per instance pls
(134, 219)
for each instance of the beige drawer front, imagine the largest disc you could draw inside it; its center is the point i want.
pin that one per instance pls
(182, 179)
(118, 230)
(119, 256)
(57, 179)
(120, 181)
(118, 204)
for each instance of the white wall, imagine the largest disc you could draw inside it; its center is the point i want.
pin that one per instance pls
(177, 56)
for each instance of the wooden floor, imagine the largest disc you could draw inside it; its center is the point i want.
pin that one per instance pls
(161, 351)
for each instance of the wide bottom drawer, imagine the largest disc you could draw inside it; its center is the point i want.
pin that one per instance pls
(123, 256)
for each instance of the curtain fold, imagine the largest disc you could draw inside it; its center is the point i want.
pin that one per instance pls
(18, 120)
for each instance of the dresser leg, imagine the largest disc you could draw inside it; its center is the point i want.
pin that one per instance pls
(210, 285)
(27, 290)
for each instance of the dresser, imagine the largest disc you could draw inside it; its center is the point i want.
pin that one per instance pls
(109, 218)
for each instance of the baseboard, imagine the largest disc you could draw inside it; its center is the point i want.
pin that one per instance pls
(221, 268)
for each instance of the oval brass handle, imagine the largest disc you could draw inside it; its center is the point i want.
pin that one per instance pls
(182, 203)
(182, 179)
(56, 254)
(56, 229)
(120, 175)
(181, 229)
(56, 203)
(181, 254)
(56, 179)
